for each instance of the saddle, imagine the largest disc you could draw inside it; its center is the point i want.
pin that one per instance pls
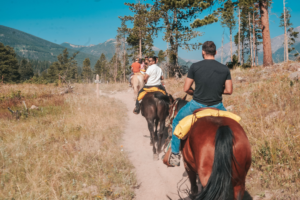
(186, 123)
(147, 90)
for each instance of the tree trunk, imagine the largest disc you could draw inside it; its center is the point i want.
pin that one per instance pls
(124, 58)
(263, 5)
(140, 47)
(286, 47)
(239, 43)
(254, 39)
(176, 41)
(242, 61)
(222, 48)
(230, 30)
(250, 41)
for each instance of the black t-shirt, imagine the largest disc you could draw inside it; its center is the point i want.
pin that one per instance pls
(209, 77)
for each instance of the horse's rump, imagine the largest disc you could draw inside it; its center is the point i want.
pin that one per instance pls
(202, 155)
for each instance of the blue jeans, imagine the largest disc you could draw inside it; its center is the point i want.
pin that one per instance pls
(186, 110)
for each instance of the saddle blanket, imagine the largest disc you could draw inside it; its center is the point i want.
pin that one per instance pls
(147, 90)
(186, 123)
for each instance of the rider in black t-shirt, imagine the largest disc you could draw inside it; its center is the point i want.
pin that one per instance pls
(212, 79)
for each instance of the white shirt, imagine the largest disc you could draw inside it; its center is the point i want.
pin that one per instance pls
(155, 74)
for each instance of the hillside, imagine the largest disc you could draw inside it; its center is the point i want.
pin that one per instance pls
(277, 50)
(35, 48)
(108, 48)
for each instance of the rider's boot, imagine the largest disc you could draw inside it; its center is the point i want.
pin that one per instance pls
(137, 108)
(174, 159)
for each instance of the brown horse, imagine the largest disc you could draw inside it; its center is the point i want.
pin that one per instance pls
(217, 149)
(155, 108)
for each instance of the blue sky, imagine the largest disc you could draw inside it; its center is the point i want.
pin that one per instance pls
(85, 22)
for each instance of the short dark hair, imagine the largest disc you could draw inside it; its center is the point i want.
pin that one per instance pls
(154, 58)
(209, 47)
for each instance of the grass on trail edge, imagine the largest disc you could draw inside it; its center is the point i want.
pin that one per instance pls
(67, 149)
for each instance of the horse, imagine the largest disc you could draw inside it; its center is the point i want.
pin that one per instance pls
(218, 151)
(137, 82)
(155, 108)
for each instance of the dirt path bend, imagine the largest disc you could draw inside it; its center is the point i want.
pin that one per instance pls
(156, 181)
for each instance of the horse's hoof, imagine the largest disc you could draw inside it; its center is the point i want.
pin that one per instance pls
(155, 157)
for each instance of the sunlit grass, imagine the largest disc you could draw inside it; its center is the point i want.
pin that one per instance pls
(67, 149)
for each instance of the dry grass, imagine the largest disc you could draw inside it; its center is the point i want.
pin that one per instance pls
(68, 149)
(269, 104)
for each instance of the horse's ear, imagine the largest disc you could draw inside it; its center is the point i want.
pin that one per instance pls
(184, 98)
(171, 99)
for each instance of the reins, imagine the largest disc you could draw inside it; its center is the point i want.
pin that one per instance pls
(173, 113)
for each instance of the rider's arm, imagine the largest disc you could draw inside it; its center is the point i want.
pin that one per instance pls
(146, 78)
(228, 87)
(162, 77)
(188, 86)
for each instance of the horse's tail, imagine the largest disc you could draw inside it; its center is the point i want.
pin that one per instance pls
(162, 97)
(219, 183)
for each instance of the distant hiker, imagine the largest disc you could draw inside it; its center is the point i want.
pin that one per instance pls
(135, 68)
(152, 78)
(212, 79)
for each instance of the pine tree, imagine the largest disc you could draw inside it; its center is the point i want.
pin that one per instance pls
(264, 13)
(86, 70)
(9, 67)
(25, 70)
(291, 34)
(228, 20)
(161, 56)
(140, 35)
(100, 67)
(175, 14)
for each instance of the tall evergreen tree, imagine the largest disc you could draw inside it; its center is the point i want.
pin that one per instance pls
(291, 33)
(25, 70)
(100, 66)
(264, 13)
(175, 14)
(86, 70)
(9, 67)
(228, 20)
(140, 35)
(161, 56)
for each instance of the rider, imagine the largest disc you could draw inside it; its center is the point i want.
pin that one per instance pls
(212, 79)
(152, 78)
(135, 68)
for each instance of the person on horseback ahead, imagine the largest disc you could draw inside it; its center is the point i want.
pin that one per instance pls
(212, 79)
(153, 77)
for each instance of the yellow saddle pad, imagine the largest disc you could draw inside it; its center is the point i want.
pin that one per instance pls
(146, 90)
(186, 123)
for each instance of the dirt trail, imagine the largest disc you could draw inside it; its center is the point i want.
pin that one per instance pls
(156, 181)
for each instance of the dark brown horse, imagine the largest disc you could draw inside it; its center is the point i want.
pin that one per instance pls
(155, 108)
(217, 149)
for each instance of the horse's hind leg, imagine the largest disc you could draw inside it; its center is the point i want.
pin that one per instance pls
(193, 179)
(152, 137)
(160, 135)
(156, 127)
